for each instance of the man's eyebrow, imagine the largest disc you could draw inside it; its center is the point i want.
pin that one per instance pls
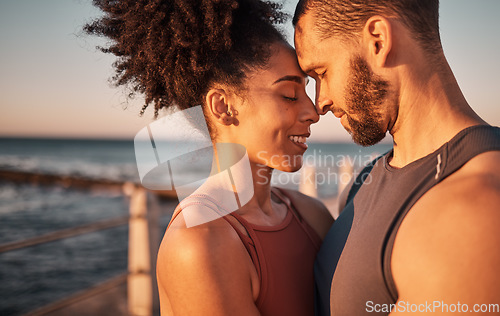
(297, 79)
(310, 68)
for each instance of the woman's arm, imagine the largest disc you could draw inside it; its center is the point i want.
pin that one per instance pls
(205, 270)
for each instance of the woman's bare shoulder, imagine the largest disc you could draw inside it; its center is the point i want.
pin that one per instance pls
(203, 240)
(198, 262)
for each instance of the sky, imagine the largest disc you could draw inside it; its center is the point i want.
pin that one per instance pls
(54, 83)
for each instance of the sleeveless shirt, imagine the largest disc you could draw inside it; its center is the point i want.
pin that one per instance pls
(352, 269)
(283, 256)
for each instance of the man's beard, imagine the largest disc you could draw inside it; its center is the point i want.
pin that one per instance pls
(365, 97)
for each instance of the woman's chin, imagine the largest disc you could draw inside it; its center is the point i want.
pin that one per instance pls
(282, 162)
(290, 167)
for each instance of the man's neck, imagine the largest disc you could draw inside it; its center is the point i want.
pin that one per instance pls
(431, 112)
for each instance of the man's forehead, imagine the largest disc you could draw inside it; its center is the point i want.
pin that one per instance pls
(304, 34)
(298, 29)
(298, 45)
(303, 43)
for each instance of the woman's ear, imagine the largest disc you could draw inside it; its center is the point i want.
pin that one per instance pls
(377, 37)
(219, 107)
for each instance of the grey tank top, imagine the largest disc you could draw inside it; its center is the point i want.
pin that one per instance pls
(352, 269)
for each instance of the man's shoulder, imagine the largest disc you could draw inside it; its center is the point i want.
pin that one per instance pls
(458, 219)
(478, 181)
(473, 190)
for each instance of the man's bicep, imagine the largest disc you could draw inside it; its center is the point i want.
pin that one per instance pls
(446, 249)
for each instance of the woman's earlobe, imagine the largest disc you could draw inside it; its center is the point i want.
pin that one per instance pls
(230, 117)
(227, 119)
(219, 108)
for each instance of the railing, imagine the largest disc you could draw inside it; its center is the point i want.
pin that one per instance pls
(144, 234)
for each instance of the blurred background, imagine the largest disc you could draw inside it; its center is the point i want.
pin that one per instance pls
(68, 176)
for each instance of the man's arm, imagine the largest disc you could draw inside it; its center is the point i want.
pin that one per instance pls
(447, 248)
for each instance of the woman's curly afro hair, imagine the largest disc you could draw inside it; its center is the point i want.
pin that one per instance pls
(174, 51)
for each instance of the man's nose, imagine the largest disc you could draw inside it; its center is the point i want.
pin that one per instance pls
(323, 105)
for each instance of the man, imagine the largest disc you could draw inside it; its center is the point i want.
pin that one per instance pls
(422, 234)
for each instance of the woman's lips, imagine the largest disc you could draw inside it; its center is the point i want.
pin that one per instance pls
(299, 140)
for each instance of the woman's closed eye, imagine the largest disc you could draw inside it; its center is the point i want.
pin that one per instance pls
(290, 98)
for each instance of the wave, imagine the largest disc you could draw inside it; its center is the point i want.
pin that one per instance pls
(73, 167)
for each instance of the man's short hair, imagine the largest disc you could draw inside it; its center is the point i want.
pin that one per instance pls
(346, 18)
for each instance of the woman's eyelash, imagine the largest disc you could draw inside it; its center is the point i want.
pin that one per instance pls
(321, 75)
(290, 98)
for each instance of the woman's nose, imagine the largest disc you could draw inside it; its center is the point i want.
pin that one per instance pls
(309, 112)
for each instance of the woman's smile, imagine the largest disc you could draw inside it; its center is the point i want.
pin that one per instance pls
(299, 140)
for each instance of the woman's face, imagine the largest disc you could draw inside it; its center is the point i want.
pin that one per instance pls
(273, 122)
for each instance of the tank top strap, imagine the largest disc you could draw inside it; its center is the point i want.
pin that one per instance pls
(199, 199)
(310, 232)
(467, 144)
(251, 238)
(247, 240)
(283, 196)
(250, 242)
(244, 237)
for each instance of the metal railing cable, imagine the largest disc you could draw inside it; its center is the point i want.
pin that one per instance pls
(65, 233)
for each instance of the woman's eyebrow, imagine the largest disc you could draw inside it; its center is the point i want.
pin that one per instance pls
(297, 79)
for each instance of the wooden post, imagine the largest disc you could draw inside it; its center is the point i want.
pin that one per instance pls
(308, 181)
(139, 283)
(154, 243)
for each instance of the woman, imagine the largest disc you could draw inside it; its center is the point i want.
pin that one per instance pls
(229, 57)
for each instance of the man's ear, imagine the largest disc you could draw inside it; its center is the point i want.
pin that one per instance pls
(219, 107)
(377, 37)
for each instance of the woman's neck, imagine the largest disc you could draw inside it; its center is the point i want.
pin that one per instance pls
(251, 181)
(261, 176)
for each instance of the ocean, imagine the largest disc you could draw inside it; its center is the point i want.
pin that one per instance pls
(35, 276)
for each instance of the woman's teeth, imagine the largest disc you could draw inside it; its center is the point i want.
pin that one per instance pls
(298, 139)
